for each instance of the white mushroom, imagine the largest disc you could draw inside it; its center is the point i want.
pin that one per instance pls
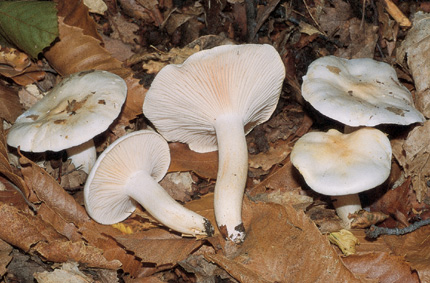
(82, 106)
(358, 92)
(128, 171)
(343, 165)
(212, 101)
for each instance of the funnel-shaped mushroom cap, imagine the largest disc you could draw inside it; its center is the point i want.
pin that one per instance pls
(73, 112)
(358, 92)
(185, 100)
(105, 192)
(334, 164)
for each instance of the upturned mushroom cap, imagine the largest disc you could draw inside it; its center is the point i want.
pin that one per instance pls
(128, 172)
(106, 198)
(185, 100)
(358, 92)
(80, 107)
(335, 164)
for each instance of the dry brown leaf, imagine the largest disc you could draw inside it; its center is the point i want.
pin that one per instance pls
(415, 248)
(63, 251)
(50, 192)
(276, 153)
(285, 177)
(10, 108)
(101, 236)
(282, 245)
(384, 267)
(23, 230)
(5, 257)
(75, 13)
(184, 159)
(417, 161)
(155, 247)
(415, 48)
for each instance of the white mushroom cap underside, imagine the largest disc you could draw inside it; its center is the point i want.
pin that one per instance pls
(333, 163)
(105, 198)
(358, 92)
(184, 100)
(73, 112)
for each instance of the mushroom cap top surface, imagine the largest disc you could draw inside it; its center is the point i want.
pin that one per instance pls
(334, 164)
(358, 92)
(80, 107)
(105, 194)
(185, 100)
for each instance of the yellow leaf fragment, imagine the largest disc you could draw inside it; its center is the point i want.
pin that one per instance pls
(345, 240)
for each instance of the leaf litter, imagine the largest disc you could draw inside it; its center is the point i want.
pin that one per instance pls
(286, 222)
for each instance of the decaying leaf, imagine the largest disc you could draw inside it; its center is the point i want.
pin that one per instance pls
(415, 248)
(381, 266)
(364, 218)
(5, 257)
(14, 58)
(159, 247)
(184, 159)
(415, 47)
(10, 108)
(417, 161)
(282, 245)
(69, 272)
(345, 240)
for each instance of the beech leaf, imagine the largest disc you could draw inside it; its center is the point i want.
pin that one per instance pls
(29, 25)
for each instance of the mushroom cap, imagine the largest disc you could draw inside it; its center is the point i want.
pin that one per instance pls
(185, 100)
(334, 164)
(358, 92)
(80, 107)
(105, 189)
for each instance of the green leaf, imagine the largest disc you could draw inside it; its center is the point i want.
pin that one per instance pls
(29, 25)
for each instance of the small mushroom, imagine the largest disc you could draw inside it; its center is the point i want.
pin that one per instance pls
(358, 92)
(343, 165)
(128, 171)
(80, 107)
(212, 101)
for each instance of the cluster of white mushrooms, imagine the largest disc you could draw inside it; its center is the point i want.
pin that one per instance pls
(356, 92)
(211, 102)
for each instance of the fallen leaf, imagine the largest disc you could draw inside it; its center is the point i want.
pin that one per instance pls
(69, 272)
(5, 257)
(184, 159)
(414, 49)
(282, 245)
(10, 108)
(382, 266)
(415, 248)
(50, 192)
(159, 247)
(345, 240)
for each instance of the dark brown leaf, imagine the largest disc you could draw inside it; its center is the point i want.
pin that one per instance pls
(10, 108)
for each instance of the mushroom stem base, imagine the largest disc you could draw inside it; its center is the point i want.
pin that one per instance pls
(345, 205)
(83, 155)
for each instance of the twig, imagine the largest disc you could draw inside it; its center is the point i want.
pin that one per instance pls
(374, 232)
(397, 15)
(315, 21)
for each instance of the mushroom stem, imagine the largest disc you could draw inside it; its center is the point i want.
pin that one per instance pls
(164, 208)
(231, 178)
(345, 205)
(83, 156)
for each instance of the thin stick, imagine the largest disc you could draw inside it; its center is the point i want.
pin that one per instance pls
(374, 232)
(397, 15)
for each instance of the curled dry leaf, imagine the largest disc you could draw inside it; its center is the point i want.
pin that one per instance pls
(282, 245)
(50, 192)
(13, 58)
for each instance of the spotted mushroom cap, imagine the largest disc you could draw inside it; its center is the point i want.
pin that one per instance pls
(184, 100)
(358, 92)
(80, 107)
(334, 164)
